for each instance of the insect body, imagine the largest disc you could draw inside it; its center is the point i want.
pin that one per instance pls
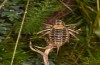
(59, 33)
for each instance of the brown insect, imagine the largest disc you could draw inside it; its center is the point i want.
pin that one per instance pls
(59, 33)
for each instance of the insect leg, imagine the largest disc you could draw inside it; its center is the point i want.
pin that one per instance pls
(77, 32)
(46, 33)
(43, 31)
(71, 25)
(73, 35)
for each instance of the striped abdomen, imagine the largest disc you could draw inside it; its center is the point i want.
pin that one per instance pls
(59, 36)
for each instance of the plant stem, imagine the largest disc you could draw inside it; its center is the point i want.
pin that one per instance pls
(19, 34)
(45, 58)
(4, 2)
(98, 9)
(98, 5)
(44, 53)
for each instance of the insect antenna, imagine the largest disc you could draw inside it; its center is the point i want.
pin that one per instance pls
(66, 6)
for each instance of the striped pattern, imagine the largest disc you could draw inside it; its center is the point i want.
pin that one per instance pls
(59, 36)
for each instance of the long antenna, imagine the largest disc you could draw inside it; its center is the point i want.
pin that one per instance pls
(19, 34)
(66, 6)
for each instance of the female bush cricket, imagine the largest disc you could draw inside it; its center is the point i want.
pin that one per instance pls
(59, 33)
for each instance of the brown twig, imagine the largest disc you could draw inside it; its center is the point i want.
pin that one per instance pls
(4, 2)
(44, 53)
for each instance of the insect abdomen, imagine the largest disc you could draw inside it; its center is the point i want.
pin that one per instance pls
(58, 36)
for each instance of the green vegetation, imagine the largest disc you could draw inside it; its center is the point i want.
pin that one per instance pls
(85, 51)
